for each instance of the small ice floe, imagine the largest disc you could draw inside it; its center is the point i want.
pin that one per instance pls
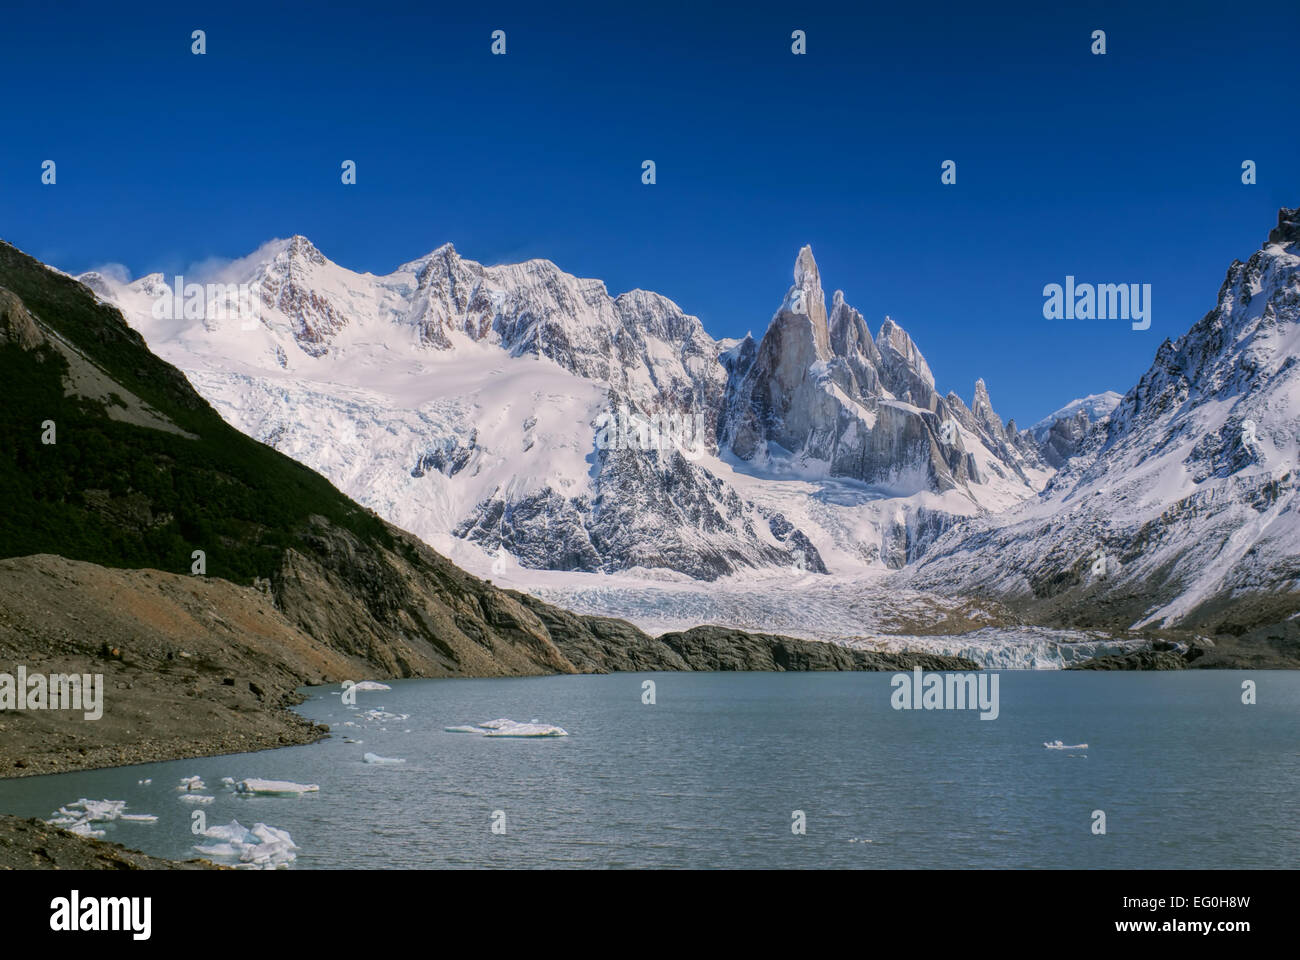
(858, 840)
(261, 848)
(274, 788)
(80, 814)
(144, 783)
(192, 783)
(1058, 745)
(380, 714)
(88, 811)
(370, 685)
(350, 740)
(376, 758)
(196, 798)
(511, 728)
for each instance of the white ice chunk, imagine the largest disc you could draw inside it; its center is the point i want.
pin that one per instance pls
(504, 727)
(382, 715)
(275, 787)
(262, 847)
(375, 758)
(80, 814)
(528, 730)
(1058, 745)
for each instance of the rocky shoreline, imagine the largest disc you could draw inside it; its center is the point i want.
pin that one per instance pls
(197, 667)
(32, 844)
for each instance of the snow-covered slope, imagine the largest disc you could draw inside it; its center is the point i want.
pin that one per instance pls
(1180, 505)
(518, 415)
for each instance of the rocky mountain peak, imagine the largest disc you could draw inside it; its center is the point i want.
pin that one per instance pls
(300, 248)
(904, 371)
(982, 408)
(803, 311)
(1287, 230)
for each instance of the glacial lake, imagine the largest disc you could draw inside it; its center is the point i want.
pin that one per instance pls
(711, 774)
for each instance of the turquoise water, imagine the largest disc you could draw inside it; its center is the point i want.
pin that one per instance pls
(710, 775)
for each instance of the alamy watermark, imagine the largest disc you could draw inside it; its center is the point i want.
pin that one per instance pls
(1102, 301)
(627, 430)
(75, 913)
(946, 691)
(210, 301)
(58, 691)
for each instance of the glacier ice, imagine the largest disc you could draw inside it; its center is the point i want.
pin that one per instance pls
(376, 758)
(503, 727)
(262, 847)
(274, 787)
(80, 814)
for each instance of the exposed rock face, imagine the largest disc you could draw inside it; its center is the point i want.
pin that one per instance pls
(721, 648)
(1059, 435)
(605, 645)
(648, 510)
(821, 394)
(17, 326)
(1064, 439)
(32, 844)
(1137, 660)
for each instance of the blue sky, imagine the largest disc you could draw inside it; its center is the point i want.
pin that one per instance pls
(1117, 168)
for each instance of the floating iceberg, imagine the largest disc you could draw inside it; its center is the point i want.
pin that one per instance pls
(195, 798)
(511, 728)
(88, 811)
(275, 787)
(1058, 745)
(80, 814)
(261, 848)
(376, 758)
(370, 685)
(192, 783)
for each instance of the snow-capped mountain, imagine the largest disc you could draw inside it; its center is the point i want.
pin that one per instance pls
(1059, 435)
(525, 414)
(1179, 506)
(1094, 407)
(822, 397)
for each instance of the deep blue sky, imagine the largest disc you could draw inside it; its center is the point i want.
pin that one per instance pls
(1119, 168)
